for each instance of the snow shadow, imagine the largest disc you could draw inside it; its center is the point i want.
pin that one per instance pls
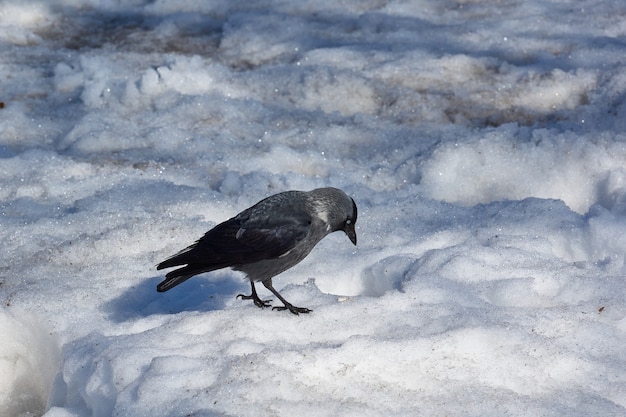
(196, 294)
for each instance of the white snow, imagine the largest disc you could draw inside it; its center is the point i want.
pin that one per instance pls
(483, 141)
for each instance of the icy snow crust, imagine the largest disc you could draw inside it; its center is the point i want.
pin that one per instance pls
(482, 140)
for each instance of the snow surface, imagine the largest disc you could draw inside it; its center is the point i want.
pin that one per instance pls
(483, 141)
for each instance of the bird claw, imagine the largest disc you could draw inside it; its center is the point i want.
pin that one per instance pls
(294, 310)
(257, 301)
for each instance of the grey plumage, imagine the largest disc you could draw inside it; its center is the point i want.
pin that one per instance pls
(266, 239)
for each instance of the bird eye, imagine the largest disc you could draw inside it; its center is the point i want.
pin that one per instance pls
(348, 221)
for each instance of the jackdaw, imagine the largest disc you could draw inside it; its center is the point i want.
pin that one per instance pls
(266, 239)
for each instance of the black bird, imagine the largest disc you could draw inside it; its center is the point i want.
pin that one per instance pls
(266, 239)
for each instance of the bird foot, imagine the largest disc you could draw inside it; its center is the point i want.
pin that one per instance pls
(257, 301)
(294, 310)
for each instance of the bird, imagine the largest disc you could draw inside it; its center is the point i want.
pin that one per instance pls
(266, 239)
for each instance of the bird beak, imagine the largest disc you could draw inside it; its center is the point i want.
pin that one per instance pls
(350, 232)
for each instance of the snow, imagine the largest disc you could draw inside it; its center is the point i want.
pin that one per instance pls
(483, 142)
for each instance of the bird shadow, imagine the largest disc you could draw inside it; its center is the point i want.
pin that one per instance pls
(143, 300)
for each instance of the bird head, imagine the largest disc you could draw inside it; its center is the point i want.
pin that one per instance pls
(336, 209)
(348, 226)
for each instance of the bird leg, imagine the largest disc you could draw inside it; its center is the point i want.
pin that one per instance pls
(287, 306)
(254, 297)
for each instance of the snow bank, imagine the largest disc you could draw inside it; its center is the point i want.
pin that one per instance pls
(544, 164)
(29, 361)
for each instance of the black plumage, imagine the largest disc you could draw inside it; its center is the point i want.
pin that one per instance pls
(266, 239)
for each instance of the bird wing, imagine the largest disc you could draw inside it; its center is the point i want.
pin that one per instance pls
(240, 240)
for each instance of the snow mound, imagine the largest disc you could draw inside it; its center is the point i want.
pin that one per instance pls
(29, 361)
(544, 164)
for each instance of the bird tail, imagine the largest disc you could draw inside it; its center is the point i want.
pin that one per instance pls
(181, 258)
(180, 275)
(195, 263)
(172, 281)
